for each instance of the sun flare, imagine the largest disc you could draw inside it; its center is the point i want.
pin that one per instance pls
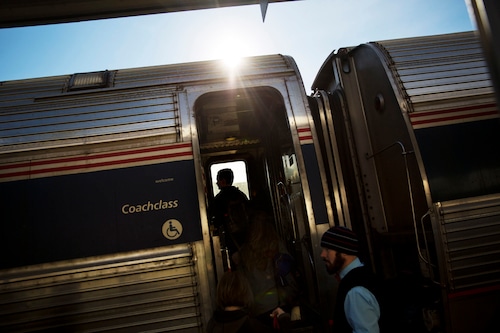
(230, 48)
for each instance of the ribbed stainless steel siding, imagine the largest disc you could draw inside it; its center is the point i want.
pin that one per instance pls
(440, 72)
(40, 115)
(37, 113)
(471, 230)
(151, 291)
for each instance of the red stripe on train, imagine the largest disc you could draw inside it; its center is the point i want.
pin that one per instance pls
(475, 291)
(94, 165)
(447, 115)
(304, 133)
(465, 108)
(467, 116)
(96, 156)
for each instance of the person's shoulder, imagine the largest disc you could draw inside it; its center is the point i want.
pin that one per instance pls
(253, 325)
(236, 192)
(242, 194)
(230, 321)
(359, 291)
(236, 189)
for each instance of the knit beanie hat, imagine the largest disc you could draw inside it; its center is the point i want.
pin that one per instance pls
(341, 240)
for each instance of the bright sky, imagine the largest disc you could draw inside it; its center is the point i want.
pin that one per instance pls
(307, 30)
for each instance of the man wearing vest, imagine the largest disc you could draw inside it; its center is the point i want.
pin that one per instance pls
(357, 309)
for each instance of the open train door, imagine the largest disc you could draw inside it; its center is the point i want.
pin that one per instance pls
(256, 124)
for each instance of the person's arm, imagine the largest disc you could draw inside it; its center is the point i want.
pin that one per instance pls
(362, 310)
(284, 321)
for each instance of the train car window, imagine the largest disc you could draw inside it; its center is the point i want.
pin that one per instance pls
(240, 175)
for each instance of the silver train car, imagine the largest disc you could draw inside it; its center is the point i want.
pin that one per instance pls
(106, 179)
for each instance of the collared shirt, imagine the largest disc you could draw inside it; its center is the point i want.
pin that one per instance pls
(361, 307)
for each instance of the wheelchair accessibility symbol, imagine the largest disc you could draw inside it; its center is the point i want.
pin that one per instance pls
(172, 229)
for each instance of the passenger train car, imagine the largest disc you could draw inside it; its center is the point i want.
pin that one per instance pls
(106, 178)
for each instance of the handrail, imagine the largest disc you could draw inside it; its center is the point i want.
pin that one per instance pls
(404, 152)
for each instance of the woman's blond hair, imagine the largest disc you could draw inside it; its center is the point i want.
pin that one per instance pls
(262, 243)
(234, 290)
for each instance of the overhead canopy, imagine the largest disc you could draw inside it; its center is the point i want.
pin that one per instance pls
(18, 13)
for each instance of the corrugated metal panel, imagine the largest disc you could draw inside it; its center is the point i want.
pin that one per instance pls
(23, 91)
(442, 73)
(38, 113)
(153, 291)
(471, 231)
(204, 71)
(88, 117)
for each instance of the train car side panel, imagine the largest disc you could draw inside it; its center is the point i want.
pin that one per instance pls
(99, 212)
(131, 291)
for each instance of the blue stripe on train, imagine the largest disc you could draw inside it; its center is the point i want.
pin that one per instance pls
(96, 213)
(315, 186)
